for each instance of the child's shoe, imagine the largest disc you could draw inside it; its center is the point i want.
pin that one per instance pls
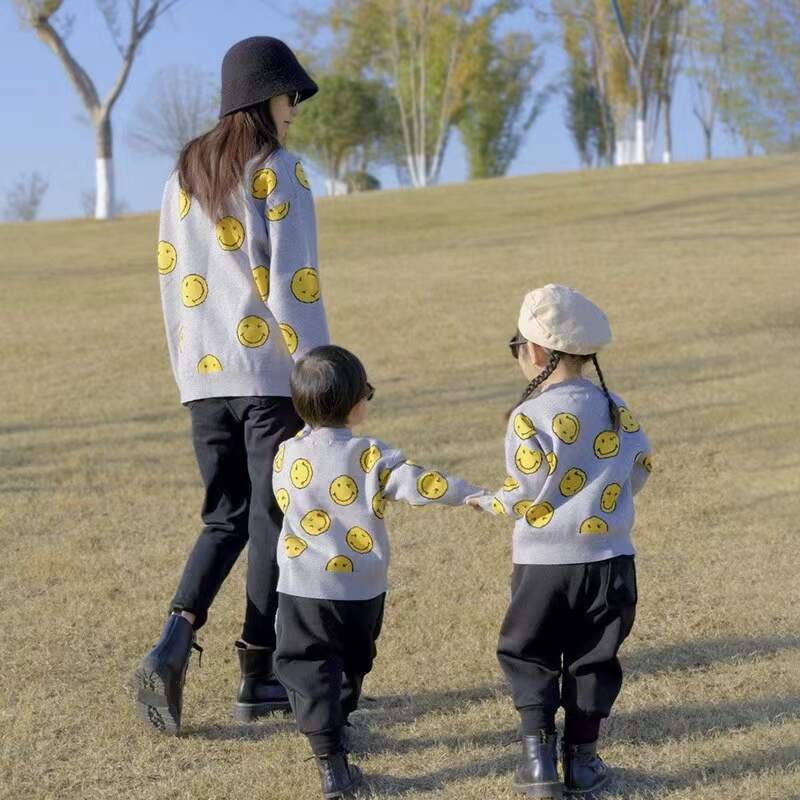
(339, 779)
(260, 692)
(160, 676)
(537, 775)
(584, 770)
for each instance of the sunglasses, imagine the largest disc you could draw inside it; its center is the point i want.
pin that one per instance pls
(294, 98)
(515, 342)
(370, 392)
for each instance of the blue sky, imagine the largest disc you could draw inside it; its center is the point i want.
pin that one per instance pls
(43, 128)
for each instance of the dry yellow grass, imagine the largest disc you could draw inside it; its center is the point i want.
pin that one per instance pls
(697, 266)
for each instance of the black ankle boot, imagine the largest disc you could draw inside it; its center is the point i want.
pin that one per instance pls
(260, 692)
(339, 779)
(159, 678)
(537, 775)
(584, 770)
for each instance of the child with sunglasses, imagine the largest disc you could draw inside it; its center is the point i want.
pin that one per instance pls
(333, 555)
(575, 457)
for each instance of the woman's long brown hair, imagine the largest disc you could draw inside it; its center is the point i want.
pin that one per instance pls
(210, 167)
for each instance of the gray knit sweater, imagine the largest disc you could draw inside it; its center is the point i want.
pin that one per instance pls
(333, 487)
(571, 479)
(240, 294)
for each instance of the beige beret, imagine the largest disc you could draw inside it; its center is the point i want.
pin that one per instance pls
(560, 318)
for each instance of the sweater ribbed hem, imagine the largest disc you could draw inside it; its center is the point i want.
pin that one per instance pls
(585, 549)
(234, 384)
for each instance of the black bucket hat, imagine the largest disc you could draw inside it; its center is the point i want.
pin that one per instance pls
(258, 68)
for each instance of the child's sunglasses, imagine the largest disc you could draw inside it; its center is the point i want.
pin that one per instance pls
(515, 342)
(370, 392)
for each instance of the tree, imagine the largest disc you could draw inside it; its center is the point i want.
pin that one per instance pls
(636, 31)
(585, 117)
(423, 51)
(670, 40)
(342, 128)
(24, 197)
(53, 31)
(498, 108)
(180, 104)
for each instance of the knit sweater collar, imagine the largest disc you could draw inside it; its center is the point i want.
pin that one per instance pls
(341, 434)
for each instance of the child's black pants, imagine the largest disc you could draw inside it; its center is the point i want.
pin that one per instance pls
(567, 622)
(324, 650)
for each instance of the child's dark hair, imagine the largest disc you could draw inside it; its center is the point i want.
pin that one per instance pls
(552, 363)
(326, 384)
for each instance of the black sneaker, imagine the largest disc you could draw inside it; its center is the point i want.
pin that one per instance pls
(159, 678)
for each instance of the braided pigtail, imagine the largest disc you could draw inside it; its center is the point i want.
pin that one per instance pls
(555, 357)
(612, 406)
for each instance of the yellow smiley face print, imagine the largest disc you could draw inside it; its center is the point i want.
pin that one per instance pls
(293, 545)
(315, 522)
(627, 421)
(567, 427)
(359, 540)
(509, 484)
(383, 477)
(498, 507)
(167, 257)
(184, 203)
(277, 462)
(282, 499)
(379, 504)
(194, 290)
(339, 564)
(647, 462)
(252, 331)
(608, 500)
(521, 507)
(432, 485)
(301, 473)
(594, 525)
(343, 490)
(230, 233)
(264, 183)
(261, 278)
(370, 457)
(278, 212)
(573, 481)
(528, 461)
(539, 515)
(289, 337)
(305, 285)
(300, 174)
(552, 462)
(606, 444)
(209, 363)
(523, 426)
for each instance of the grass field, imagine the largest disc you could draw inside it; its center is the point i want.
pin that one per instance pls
(697, 266)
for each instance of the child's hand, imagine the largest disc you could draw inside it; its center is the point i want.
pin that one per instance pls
(475, 503)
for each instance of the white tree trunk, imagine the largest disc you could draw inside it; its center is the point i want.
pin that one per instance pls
(104, 183)
(640, 155)
(104, 170)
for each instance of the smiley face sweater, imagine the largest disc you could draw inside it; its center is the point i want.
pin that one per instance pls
(241, 294)
(332, 488)
(571, 478)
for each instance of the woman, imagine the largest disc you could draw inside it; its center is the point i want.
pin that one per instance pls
(237, 259)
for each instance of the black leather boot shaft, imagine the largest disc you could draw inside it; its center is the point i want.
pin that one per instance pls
(161, 674)
(537, 775)
(584, 770)
(260, 692)
(338, 778)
